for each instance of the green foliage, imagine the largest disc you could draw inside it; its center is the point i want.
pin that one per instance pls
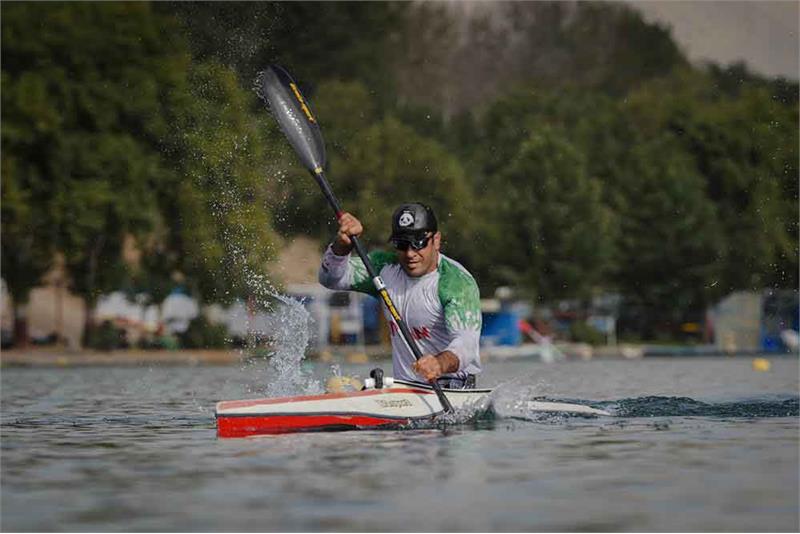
(27, 252)
(616, 66)
(554, 233)
(389, 163)
(746, 149)
(202, 334)
(458, 60)
(110, 130)
(222, 221)
(580, 332)
(354, 40)
(688, 173)
(669, 244)
(105, 337)
(85, 91)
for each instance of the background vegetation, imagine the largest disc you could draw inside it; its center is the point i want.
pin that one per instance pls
(570, 149)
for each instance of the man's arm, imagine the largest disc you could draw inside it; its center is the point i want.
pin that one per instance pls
(344, 272)
(336, 272)
(460, 300)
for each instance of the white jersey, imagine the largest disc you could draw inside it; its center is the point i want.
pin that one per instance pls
(441, 309)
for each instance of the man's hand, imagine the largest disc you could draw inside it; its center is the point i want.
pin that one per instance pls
(348, 226)
(431, 367)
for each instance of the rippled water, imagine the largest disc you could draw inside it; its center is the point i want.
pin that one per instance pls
(694, 444)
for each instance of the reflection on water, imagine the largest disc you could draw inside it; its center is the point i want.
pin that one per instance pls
(135, 449)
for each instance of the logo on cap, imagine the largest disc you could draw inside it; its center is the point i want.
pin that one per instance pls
(406, 219)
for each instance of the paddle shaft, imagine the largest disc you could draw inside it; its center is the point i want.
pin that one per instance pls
(319, 176)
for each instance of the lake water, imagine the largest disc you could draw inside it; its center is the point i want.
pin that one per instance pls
(703, 444)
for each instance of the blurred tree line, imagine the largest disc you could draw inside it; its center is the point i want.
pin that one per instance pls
(569, 148)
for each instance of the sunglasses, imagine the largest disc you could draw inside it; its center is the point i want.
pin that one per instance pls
(415, 244)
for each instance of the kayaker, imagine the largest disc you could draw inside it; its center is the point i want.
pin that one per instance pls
(435, 295)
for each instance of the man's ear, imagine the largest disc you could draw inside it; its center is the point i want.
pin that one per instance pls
(437, 241)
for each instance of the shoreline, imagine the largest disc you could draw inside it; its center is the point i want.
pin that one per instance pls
(51, 357)
(63, 357)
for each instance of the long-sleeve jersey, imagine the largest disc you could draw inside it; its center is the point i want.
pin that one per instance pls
(441, 308)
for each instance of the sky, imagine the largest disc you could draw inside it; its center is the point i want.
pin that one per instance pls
(762, 33)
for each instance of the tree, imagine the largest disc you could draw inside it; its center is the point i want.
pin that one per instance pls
(84, 88)
(670, 243)
(24, 259)
(389, 164)
(110, 131)
(554, 234)
(745, 145)
(220, 222)
(611, 63)
(354, 40)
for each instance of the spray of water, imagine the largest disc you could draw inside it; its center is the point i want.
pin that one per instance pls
(286, 332)
(290, 336)
(282, 336)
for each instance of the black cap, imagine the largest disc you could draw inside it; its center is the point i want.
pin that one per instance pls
(412, 220)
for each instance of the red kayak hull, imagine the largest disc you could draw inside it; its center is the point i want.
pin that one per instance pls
(242, 426)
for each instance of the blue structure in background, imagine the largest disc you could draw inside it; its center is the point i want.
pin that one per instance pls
(779, 311)
(371, 311)
(501, 328)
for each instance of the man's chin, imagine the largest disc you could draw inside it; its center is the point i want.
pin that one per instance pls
(415, 271)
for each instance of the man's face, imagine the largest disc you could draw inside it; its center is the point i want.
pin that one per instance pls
(420, 262)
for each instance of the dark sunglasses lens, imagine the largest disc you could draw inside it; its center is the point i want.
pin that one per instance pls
(416, 244)
(419, 244)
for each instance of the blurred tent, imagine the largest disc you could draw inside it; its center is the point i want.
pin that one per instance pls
(756, 321)
(178, 310)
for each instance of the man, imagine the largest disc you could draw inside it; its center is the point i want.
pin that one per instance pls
(435, 295)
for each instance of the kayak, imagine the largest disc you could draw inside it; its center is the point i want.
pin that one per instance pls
(393, 404)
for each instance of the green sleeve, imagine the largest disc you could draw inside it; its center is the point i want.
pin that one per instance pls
(361, 280)
(460, 297)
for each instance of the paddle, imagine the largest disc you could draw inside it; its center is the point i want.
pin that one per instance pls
(287, 105)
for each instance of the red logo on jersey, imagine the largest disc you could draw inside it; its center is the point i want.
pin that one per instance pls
(422, 332)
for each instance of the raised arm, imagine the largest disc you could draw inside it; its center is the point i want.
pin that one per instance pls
(342, 271)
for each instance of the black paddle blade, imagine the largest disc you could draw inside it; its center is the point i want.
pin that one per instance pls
(293, 113)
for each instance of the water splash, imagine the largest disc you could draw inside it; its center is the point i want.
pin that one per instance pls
(280, 327)
(472, 412)
(478, 414)
(276, 346)
(290, 335)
